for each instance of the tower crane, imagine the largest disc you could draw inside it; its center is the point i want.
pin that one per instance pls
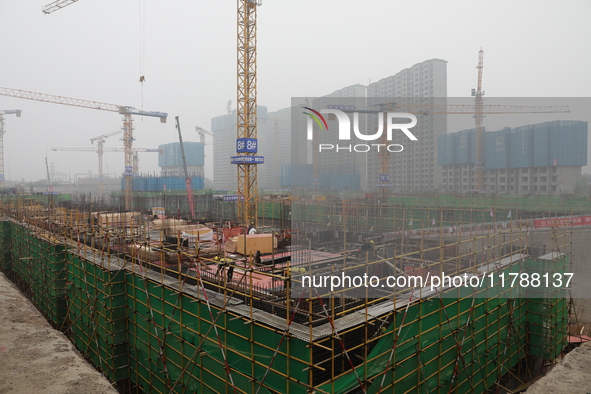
(100, 140)
(201, 131)
(478, 116)
(100, 151)
(126, 111)
(57, 5)
(246, 122)
(187, 177)
(49, 187)
(246, 133)
(16, 112)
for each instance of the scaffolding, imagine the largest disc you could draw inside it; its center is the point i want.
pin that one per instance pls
(168, 318)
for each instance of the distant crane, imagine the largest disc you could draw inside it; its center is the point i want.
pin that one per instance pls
(16, 112)
(478, 116)
(49, 187)
(201, 131)
(100, 151)
(187, 178)
(100, 140)
(126, 111)
(57, 5)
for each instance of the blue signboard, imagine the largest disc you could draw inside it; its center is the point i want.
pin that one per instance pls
(248, 160)
(384, 178)
(246, 145)
(232, 197)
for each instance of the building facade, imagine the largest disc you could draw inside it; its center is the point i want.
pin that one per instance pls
(274, 134)
(544, 158)
(338, 169)
(170, 159)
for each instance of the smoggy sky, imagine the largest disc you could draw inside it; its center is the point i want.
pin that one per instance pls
(98, 49)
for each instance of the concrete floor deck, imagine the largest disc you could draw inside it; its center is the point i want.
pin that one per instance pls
(35, 358)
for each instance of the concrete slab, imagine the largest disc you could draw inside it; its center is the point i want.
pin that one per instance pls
(571, 376)
(35, 358)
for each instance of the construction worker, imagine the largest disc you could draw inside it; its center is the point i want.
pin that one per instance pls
(230, 273)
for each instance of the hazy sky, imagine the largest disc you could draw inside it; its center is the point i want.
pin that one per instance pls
(97, 50)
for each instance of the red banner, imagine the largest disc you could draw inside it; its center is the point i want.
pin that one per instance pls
(555, 222)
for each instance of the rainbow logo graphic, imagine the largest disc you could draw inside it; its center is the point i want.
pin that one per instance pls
(317, 117)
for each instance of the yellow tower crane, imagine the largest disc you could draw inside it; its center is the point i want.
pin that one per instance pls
(126, 111)
(16, 112)
(246, 133)
(246, 122)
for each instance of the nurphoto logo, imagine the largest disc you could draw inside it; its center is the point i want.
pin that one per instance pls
(344, 130)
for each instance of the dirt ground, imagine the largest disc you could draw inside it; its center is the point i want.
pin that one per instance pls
(35, 358)
(572, 375)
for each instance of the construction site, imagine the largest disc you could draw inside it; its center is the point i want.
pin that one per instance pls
(459, 268)
(160, 305)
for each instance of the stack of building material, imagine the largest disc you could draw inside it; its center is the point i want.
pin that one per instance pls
(198, 235)
(170, 226)
(116, 218)
(230, 245)
(146, 253)
(250, 244)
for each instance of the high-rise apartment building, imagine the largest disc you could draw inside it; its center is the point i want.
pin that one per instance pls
(274, 134)
(283, 140)
(415, 168)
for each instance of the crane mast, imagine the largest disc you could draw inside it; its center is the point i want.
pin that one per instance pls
(246, 122)
(16, 112)
(49, 187)
(126, 111)
(478, 116)
(100, 140)
(187, 177)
